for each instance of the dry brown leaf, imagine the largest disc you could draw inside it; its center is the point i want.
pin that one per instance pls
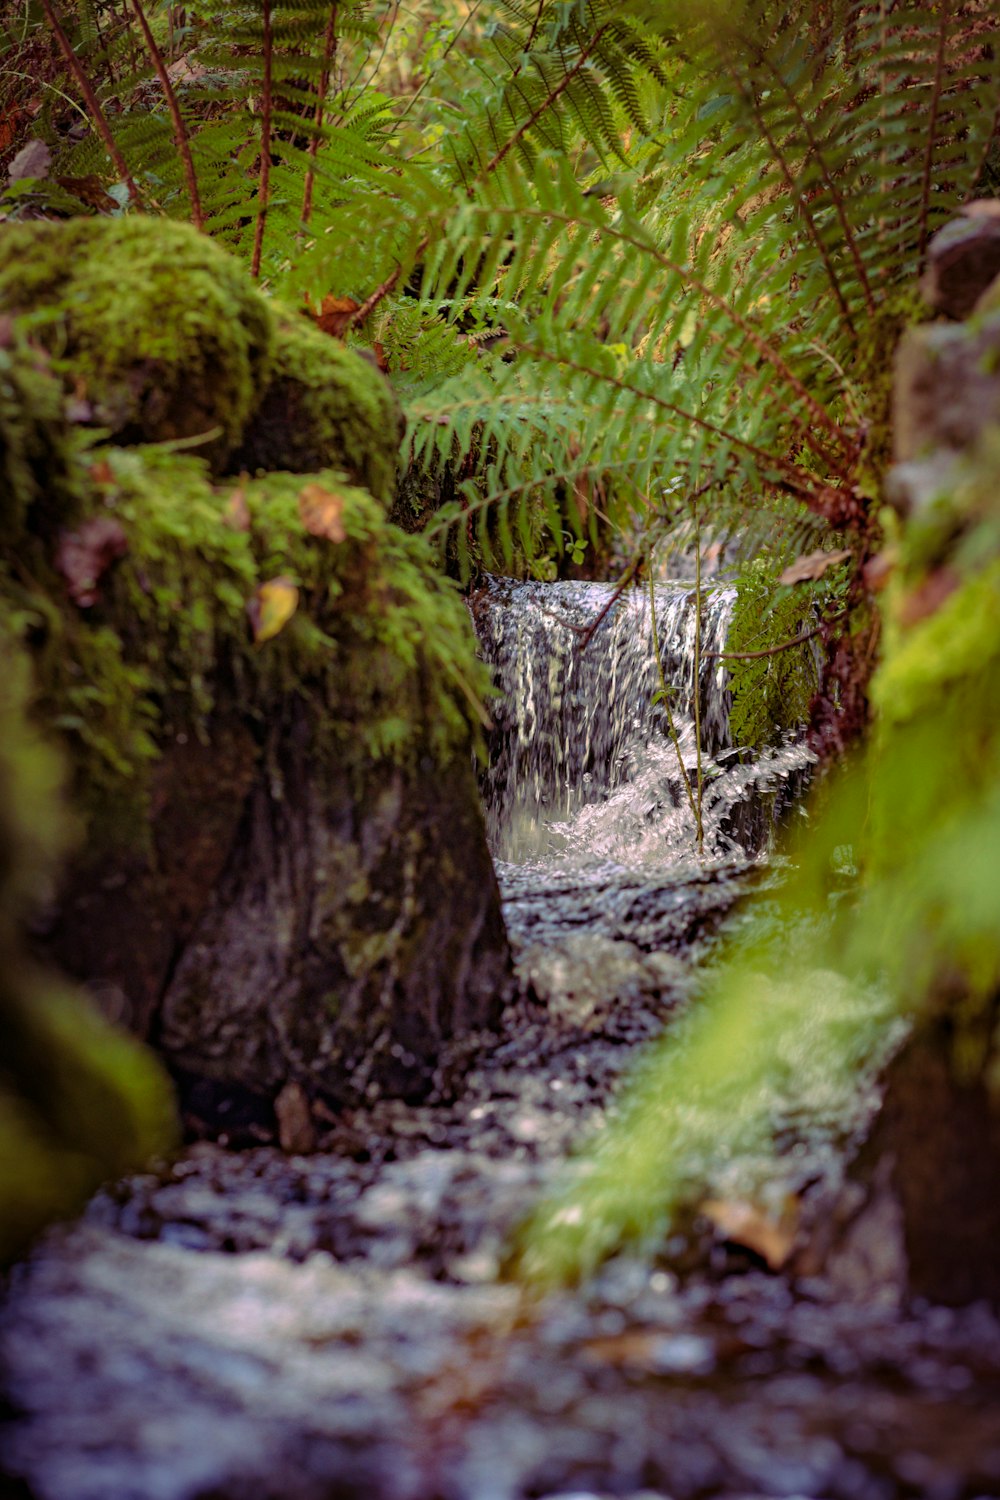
(237, 512)
(813, 565)
(878, 569)
(335, 314)
(32, 160)
(928, 598)
(321, 512)
(102, 473)
(296, 1131)
(85, 555)
(747, 1225)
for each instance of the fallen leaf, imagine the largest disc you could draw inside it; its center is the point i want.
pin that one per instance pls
(381, 358)
(31, 161)
(85, 555)
(237, 513)
(321, 512)
(812, 566)
(928, 597)
(877, 569)
(751, 1227)
(90, 190)
(102, 473)
(296, 1131)
(335, 314)
(271, 608)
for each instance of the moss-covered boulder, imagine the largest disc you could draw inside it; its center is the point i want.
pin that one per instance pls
(79, 1102)
(157, 331)
(324, 406)
(271, 703)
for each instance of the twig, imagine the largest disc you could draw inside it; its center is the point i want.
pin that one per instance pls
(264, 185)
(587, 635)
(329, 53)
(696, 689)
(796, 640)
(181, 139)
(90, 98)
(665, 699)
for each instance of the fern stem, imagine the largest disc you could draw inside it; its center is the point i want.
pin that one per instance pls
(181, 139)
(264, 183)
(665, 699)
(797, 481)
(836, 196)
(546, 104)
(696, 686)
(795, 194)
(925, 185)
(766, 350)
(91, 100)
(329, 54)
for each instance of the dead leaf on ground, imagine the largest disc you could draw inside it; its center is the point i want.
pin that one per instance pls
(813, 565)
(271, 608)
(928, 597)
(237, 513)
(90, 190)
(32, 160)
(335, 314)
(296, 1131)
(101, 473)
(877, 569)
(85, 555)
(321, 512)
(744, 1224)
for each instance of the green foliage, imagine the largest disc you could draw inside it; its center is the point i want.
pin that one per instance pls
(78, 1102)
(771, 693)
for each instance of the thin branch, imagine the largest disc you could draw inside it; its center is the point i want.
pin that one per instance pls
(925, 185)
(264, 185)
(93, 104)
(181, 138)
(796, 640)
(329, 54)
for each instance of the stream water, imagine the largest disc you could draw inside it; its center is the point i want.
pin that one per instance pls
(256, 1326)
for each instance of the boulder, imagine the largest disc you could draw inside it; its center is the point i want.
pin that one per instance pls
(159, 332)
(963, 259)
(324, 406)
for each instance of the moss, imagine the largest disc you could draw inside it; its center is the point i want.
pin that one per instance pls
(78, 1101)
(40, 468)
(325, 407)
(380, 647)
(157, 331)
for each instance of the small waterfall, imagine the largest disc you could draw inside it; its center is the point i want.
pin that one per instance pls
(582, 766)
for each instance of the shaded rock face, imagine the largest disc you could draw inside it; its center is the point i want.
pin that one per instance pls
(354, 933)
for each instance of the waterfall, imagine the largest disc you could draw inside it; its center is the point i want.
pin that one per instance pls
(582, 766)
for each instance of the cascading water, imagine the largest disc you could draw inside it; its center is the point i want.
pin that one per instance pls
(583, 768)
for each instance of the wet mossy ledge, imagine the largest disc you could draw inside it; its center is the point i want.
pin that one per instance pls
(268, 694)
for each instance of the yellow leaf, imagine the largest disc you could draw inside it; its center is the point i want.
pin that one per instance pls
(271, 608)
(321, 512)
(747, 1225)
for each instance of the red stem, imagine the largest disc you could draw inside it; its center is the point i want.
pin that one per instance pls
(181, 138)
(263, 187)
(329, 52)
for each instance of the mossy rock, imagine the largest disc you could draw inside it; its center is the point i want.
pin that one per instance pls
(157, 331)
(325, 406)
(316, 760)
(79, 1102)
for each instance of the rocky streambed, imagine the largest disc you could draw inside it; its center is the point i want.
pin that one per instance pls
(256, 1325)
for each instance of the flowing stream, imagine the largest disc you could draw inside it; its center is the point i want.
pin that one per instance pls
(249, 1325)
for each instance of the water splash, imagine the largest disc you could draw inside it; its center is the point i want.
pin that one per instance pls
(583, 771)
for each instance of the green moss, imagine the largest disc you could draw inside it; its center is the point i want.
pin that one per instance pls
(325, 407)
(157, 330)
(380, 647)
(40, 468)
(78, 1101)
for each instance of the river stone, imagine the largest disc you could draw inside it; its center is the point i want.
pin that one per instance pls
(963, 258)
(947, 387)
(354, 933)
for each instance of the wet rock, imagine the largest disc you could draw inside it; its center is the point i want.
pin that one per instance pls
(963, 259)
(947, 387)
(585, 974)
